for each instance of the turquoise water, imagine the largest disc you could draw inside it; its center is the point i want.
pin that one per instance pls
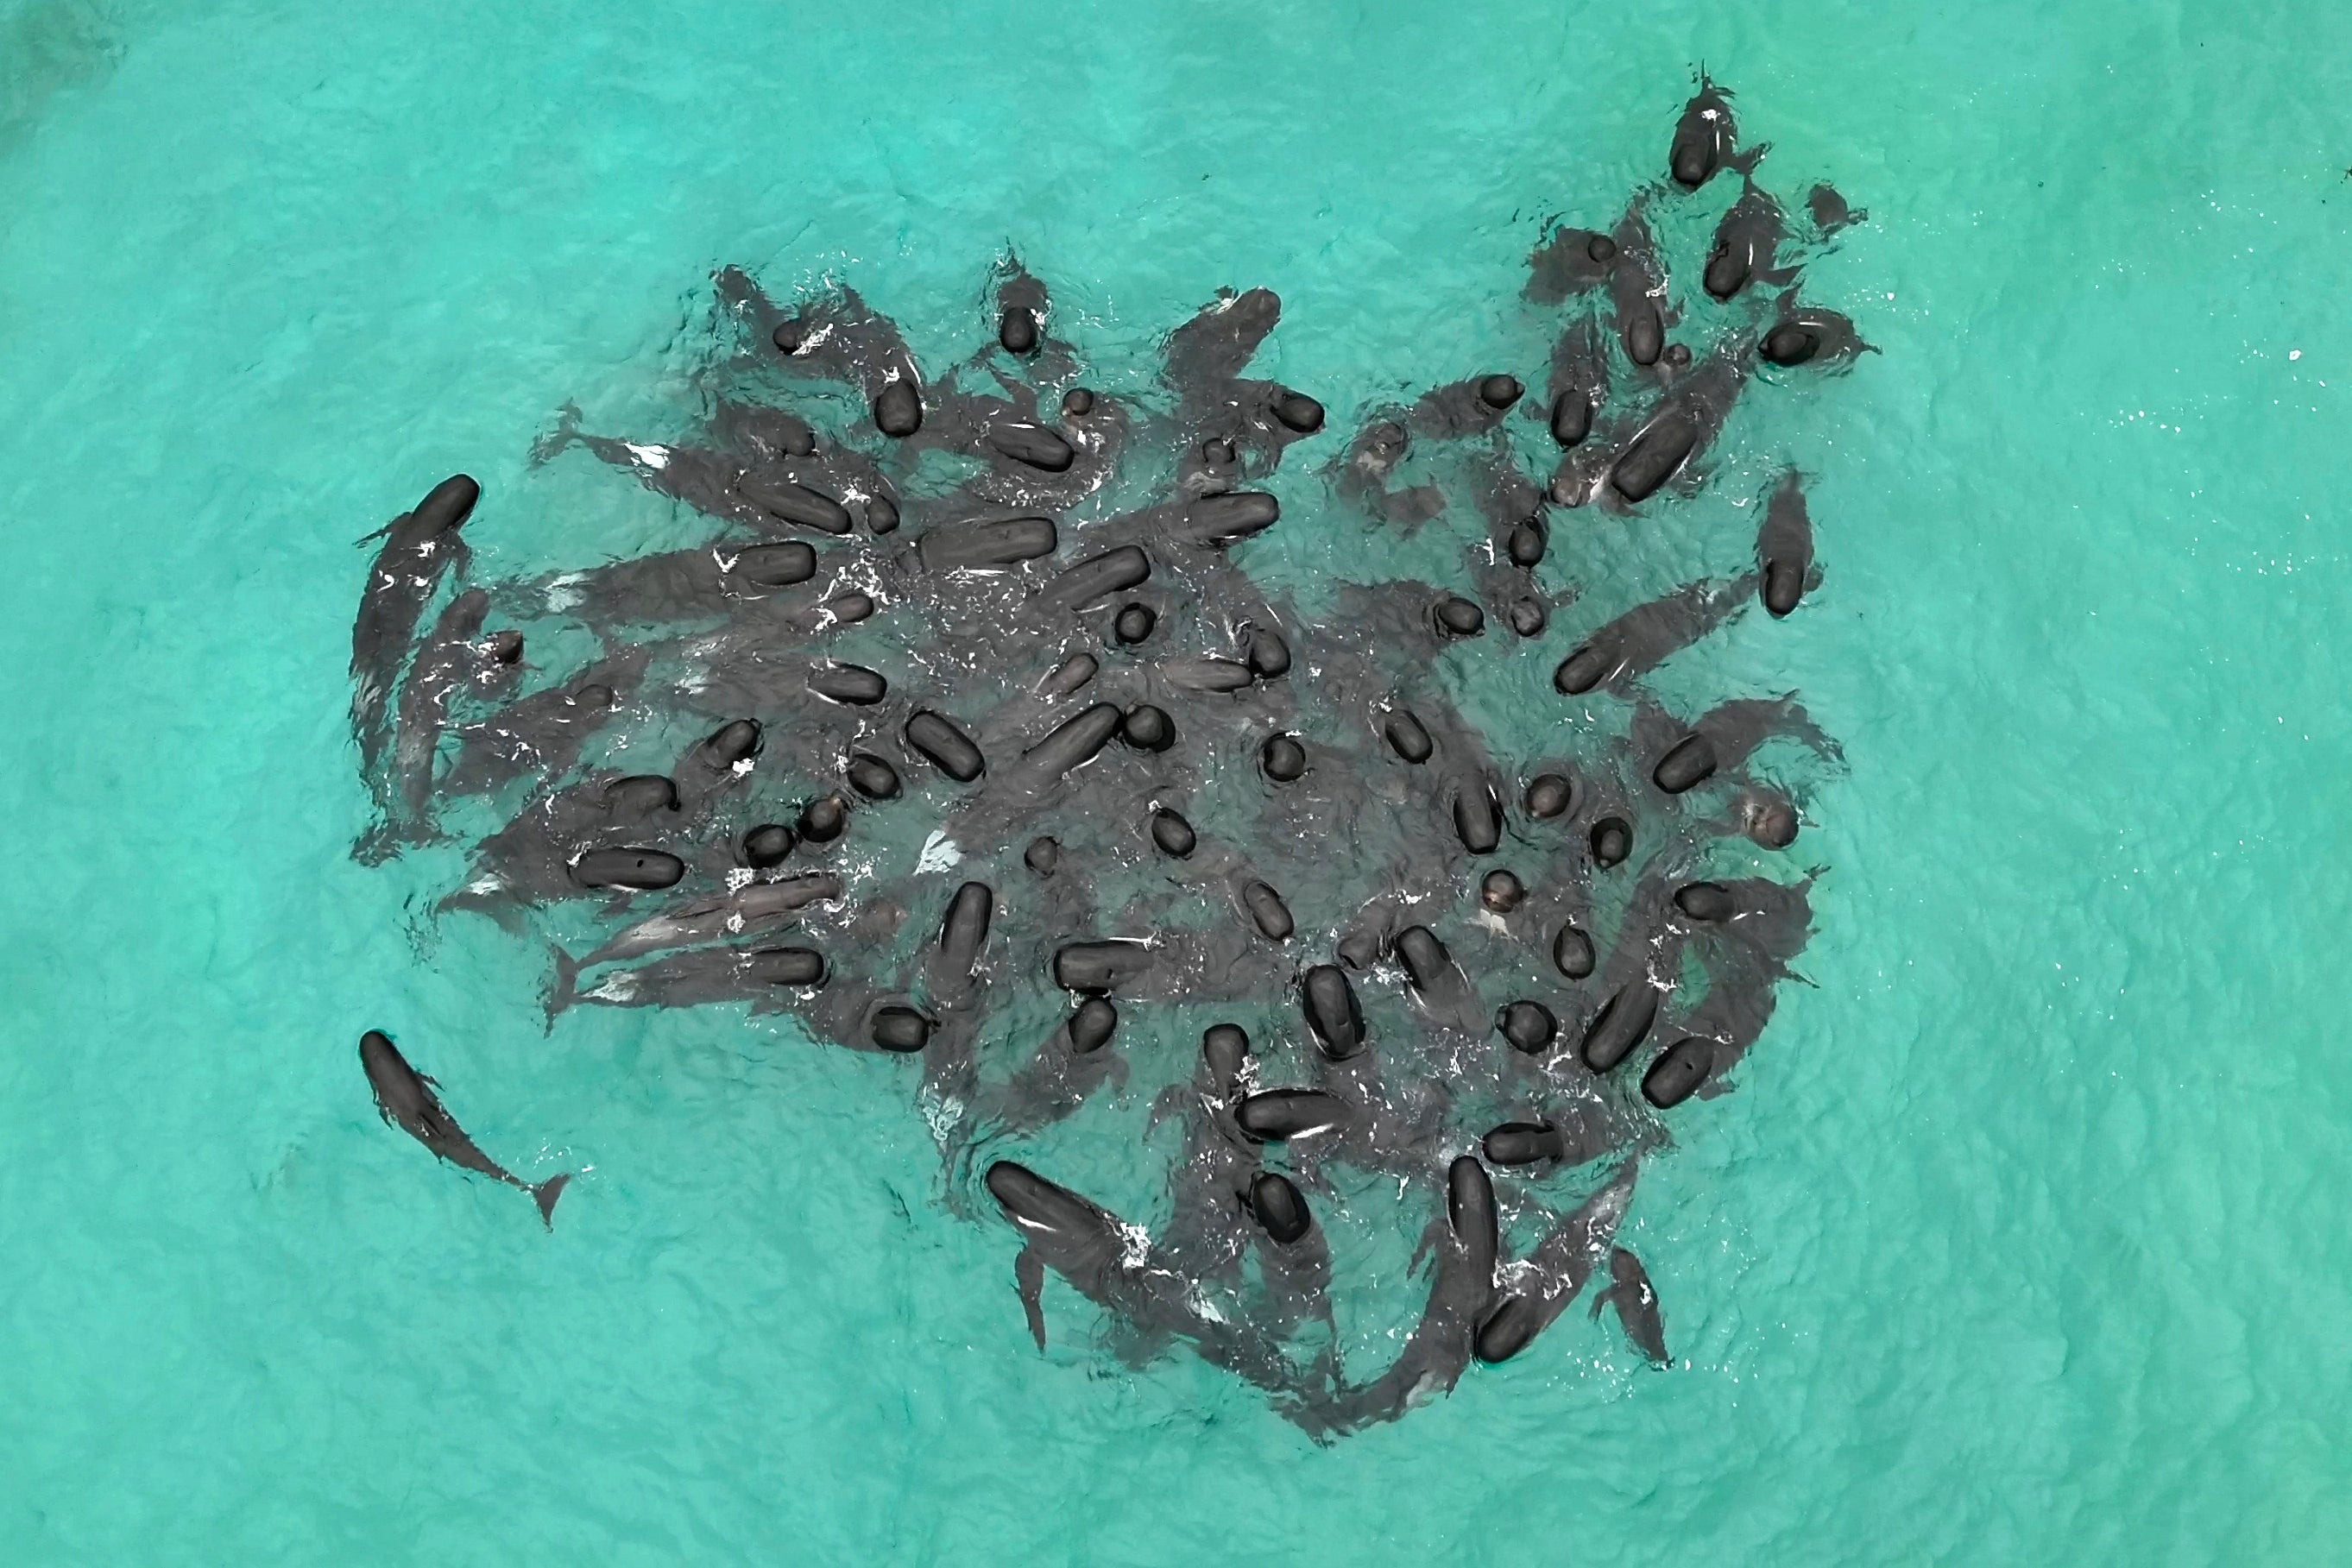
(2019, 1243)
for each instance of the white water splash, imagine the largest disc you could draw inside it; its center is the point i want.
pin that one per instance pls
(619, 987)
(561, 594)
(939, 853)
(940, 1113)
(1134, 1244)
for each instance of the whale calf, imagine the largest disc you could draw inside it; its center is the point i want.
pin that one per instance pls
(408, 1099)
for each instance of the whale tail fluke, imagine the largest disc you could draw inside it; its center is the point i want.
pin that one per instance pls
(1029, 1278)
(551, 444)
(378, 844)
(544, 1194)
(562, 983)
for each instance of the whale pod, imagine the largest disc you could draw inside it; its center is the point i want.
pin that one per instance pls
(638, 870)
(776, 565)
(1679, 1071)
(1092, 1025)
(1331, 1011)
(1267, 912)
(1272, 1116)
(852, 684)
(1523, 1143)
(1622, 1023)
(948, 748)
(981, 546)
(1278, 1207)
(1528, 1025)
(1687, 766)
(1100, 967)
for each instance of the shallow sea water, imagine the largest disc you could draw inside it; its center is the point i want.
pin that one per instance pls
(2019, 1241)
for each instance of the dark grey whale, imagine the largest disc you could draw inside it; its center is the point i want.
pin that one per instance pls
(420, 549)
(406, 1099)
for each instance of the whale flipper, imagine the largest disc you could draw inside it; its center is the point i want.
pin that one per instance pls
(1029, 1275)
(1636, 1301)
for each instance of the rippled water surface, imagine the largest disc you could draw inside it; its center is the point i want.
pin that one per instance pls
(2020, 1241)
